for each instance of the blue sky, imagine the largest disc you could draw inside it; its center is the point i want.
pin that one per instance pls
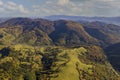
(40, 8)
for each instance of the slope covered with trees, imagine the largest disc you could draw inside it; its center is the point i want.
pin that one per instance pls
(61, 32)
(113, 53)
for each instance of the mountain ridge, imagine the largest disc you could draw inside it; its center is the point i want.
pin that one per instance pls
(109, 20)
(61, 30)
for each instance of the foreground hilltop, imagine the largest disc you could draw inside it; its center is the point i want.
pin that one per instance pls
(23, 62)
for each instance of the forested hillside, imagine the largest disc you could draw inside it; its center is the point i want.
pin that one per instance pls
(61, 32)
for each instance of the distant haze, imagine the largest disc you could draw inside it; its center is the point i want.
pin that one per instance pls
(109, 20)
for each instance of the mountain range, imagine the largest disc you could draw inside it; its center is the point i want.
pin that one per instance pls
(53, 49)
(108, 20)
(60, 32)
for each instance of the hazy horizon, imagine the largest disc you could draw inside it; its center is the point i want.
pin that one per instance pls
(57, 15)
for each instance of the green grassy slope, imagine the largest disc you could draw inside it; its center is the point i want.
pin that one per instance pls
(26, 62)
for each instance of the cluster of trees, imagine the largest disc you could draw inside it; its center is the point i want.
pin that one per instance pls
(24, 64)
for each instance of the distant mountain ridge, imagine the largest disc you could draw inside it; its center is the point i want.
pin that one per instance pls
(3, 19)
(109, 20)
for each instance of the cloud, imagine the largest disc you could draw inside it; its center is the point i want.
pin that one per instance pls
(79, 7)
(63, 2)
(12, 8)
(22, 9)
(1, 3)
(61, 7)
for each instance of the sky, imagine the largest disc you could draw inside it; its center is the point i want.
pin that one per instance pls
(41, 8)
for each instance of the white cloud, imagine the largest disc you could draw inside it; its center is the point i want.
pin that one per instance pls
(12, 7)
(79, 7)
(59, 7)
(1, 3)
(11, 3)
(63, 2)
(22, 9)
(15, 7)
(62, 7)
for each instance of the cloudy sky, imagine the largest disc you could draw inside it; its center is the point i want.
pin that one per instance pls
(40, 8)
